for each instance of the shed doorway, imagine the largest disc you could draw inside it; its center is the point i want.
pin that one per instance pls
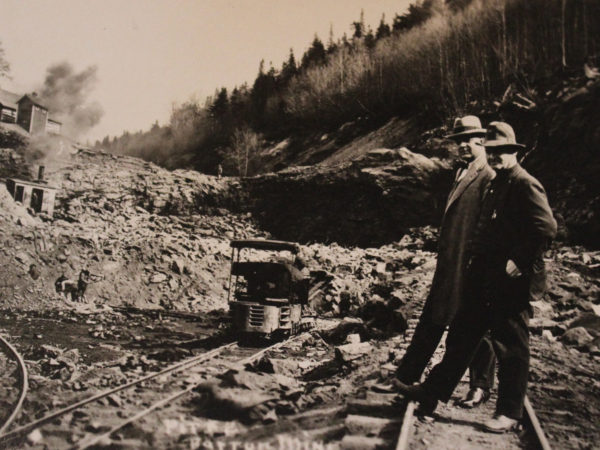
(19, 191)
(37, 196)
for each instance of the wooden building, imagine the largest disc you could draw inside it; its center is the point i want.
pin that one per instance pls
(28, 111)
(32, 115)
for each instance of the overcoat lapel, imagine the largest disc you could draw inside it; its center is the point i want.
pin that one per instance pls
(460, 187)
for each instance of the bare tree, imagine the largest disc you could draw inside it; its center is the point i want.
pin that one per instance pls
(244, 149)
(4, 65)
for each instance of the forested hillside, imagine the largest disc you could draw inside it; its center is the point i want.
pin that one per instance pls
(436, 60)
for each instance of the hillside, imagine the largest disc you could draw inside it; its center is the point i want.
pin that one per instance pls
(158, 241)
(557, 120)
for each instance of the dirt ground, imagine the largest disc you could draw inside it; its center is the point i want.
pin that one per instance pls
(74, 349)
(161, 297)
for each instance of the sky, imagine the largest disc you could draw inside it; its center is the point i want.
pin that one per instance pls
(152, 54)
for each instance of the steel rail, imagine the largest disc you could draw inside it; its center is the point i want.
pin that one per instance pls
(535, 424)
(86, 443)
(24, 383)
(176, 367)
(407, 423)
(97, 439)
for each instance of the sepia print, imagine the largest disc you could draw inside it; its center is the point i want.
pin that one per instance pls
(272, 224)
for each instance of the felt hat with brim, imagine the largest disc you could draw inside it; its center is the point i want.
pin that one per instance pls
(500, 138)
(466, 128)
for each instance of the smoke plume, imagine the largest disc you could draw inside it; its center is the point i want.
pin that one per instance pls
(65, 93)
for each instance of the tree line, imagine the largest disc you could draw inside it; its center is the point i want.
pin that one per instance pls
(436, 58)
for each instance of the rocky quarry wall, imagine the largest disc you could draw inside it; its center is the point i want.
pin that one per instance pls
(368, 202)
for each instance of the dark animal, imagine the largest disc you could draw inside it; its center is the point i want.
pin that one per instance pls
(75, 289)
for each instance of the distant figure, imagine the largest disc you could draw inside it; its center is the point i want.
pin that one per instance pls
(219, 171)
(76, 289)
(299, 279)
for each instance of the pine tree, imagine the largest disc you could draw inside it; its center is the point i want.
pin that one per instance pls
(359, 27)
(264, 86)
(417, 14)
(289, 69)
(331, 45)
(315, 55)
(383, 30)
(369, 39)
(220, 105)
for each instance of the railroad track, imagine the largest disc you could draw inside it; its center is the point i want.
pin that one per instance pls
(380, 421)
(372, 422)
(169, 384)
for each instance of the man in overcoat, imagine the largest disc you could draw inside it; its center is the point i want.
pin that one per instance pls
(447, 289)
(505, 265)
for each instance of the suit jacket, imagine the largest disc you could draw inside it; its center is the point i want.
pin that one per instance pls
(516, 224)
(459, 221)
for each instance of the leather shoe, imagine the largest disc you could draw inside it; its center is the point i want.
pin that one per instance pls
(416, 392)
(500, 424)
(475, 396)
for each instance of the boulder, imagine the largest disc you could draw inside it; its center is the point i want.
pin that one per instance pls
(350, 352)
(542, 309)
(577, 336)
(231, 403)
(158, 277)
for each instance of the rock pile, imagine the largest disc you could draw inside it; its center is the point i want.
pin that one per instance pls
(379, 285)
(125, 228)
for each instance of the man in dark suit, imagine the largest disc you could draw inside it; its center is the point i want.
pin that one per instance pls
(505, 264)
(446, 294)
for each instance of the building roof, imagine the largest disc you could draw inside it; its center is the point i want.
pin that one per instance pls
(265, 244)
(9, 99)
(33, 99)
(37, 184)
(50, 119)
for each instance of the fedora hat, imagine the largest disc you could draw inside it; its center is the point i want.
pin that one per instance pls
(500, 138)
(466, 127)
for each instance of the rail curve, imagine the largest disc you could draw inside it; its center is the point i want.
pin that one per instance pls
(23, 375)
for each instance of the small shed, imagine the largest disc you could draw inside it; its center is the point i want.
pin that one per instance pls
(37, 195)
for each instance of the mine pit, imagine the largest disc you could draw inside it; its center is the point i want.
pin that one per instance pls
(159, 244)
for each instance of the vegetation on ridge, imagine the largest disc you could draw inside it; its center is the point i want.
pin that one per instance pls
(438, 59)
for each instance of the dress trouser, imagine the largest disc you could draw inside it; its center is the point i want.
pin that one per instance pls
(483, 365)
(510, 338)
(425, 340)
